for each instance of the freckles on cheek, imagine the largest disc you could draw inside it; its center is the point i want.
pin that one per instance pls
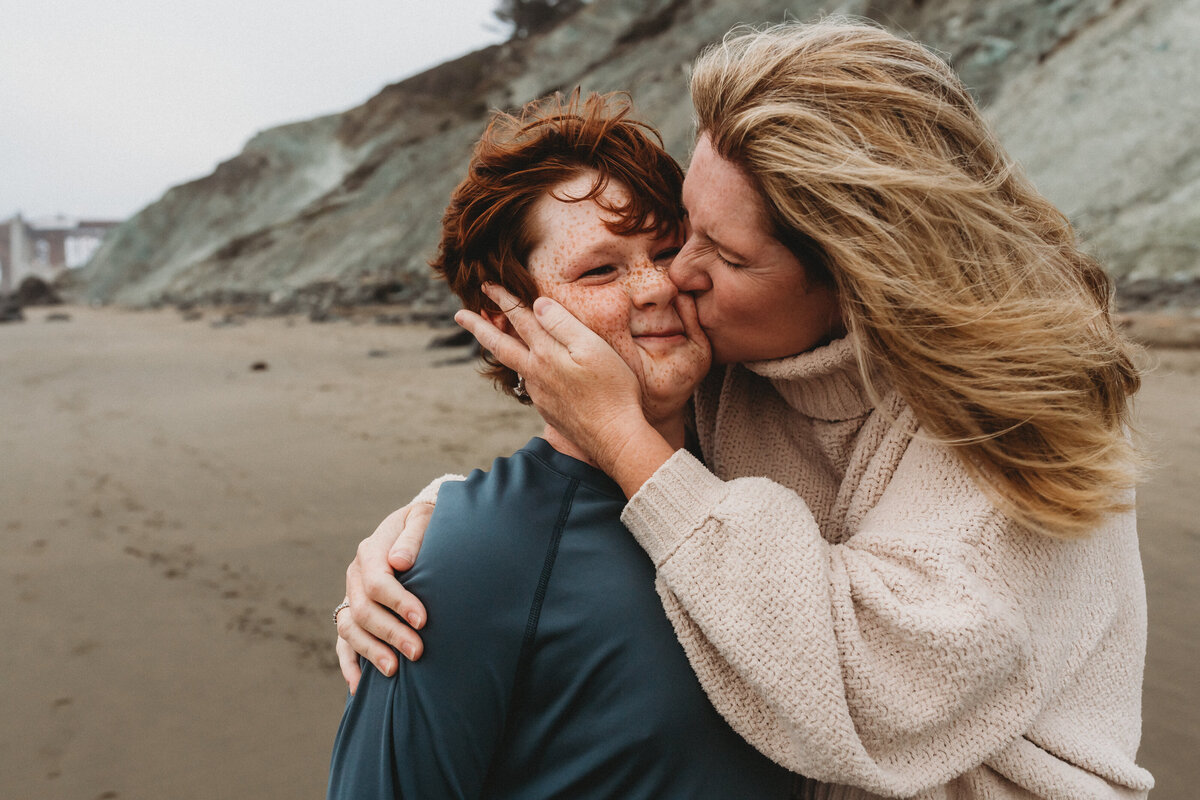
(552, 273)
(596, 311)
(682, 371)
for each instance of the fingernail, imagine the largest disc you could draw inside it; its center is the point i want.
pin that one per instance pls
(414, 619)
(386, 668)
(409, 651)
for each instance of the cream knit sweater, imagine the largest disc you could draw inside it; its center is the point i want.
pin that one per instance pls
(859, 610)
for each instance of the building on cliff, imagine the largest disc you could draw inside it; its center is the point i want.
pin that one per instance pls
(46, 247)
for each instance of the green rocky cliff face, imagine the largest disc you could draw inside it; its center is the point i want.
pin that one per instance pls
(1094, 97)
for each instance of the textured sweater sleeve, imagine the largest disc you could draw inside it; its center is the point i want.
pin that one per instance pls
(893, 661)
(430, 493)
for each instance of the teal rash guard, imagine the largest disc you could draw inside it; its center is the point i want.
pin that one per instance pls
(550, 669)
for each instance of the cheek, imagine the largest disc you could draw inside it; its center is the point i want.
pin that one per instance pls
(603, 309)
(732, 298)
(742, 300)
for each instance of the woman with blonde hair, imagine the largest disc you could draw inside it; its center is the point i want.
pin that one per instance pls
(908, 563)
(538, 696)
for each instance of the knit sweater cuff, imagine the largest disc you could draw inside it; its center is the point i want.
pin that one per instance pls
(429, 493)
(672, 505)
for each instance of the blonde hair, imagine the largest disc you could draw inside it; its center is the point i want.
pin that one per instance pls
(961, 281)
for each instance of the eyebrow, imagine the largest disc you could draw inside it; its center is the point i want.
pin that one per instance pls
(598, 252)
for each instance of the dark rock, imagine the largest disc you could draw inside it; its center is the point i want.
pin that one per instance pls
(433, 317)
(456, 360)
(1159, 294)
(34, 291)
(400, 318)
(10, 310)
(259, 366)
(227, 320)
(459, 338)
(324, 314)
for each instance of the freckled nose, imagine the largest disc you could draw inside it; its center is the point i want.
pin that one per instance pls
(650, 286)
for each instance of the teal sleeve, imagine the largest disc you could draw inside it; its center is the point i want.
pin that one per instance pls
(434, 728)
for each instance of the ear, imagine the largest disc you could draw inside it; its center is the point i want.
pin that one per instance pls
(499, 320)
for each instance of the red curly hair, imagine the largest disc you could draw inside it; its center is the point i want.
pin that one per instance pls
(486, 231)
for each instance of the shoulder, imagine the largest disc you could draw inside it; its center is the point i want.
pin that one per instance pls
(507, 485)
(499, 507)
(507, 516)
(932, 496)
(492, 528)
(925, 494)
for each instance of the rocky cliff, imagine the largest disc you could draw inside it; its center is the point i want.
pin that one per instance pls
(1095, 97)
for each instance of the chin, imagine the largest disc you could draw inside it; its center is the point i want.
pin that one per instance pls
(670, 396)
(664, 413)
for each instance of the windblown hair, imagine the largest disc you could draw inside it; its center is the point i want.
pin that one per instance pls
(487, 233)
(959, 279)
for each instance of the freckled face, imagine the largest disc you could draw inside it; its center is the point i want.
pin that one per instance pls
(752, 294)
(618, 287)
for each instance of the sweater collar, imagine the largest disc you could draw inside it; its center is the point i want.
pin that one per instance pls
(823, 383)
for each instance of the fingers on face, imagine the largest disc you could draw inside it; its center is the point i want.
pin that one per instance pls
(519, 315)
(509, 350)
(558, 323)
(503, 298)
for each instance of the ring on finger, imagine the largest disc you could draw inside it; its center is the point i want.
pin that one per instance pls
(338, 609)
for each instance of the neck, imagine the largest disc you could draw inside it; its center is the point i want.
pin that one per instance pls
(672, 430)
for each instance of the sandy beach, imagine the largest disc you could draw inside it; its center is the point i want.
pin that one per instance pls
(175, 522)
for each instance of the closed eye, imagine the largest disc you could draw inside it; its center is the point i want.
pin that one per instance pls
(599, 272)
(716, 251)
(727, 262)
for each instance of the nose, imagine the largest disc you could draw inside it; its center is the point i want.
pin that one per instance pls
(686, 271)
(650, 286)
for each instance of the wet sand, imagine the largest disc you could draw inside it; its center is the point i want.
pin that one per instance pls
(174, 525)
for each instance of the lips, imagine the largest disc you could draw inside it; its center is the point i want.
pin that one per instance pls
(664, 329)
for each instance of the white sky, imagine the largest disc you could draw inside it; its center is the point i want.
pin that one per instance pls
(104, 104)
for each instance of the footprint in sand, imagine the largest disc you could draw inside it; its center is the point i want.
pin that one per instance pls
(84, 647)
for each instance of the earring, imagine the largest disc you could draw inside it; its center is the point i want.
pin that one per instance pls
(521, 386)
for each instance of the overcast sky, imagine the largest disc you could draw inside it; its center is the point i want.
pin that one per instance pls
(104, 105)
